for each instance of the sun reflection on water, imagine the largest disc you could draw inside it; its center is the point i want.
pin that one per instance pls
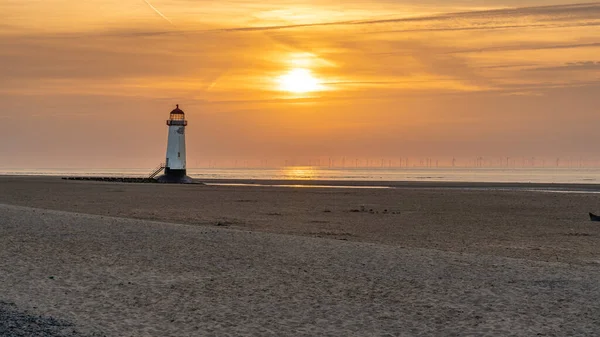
(299, 172)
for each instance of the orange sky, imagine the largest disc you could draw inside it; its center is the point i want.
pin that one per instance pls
(90, 83)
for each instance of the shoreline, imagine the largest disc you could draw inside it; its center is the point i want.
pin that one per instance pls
(291, 183)
(402, 184)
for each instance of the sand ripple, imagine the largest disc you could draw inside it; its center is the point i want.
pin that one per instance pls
(123, 277)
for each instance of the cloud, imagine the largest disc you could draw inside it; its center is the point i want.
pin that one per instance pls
(409, 55)
(529, 46)
(570, 66)
(489, 18)
(489, 27)
(556, 16)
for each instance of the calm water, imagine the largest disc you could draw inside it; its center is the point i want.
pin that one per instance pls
(535, 175)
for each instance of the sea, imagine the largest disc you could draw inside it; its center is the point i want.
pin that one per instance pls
(485, 175)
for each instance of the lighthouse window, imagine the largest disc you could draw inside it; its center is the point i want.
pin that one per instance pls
(178, 154)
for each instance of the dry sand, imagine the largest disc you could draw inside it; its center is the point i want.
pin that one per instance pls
(440, 262)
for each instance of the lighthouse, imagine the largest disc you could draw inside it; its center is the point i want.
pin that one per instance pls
(175, 170)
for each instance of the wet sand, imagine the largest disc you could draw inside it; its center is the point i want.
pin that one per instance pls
(158, 260)
(451, 217)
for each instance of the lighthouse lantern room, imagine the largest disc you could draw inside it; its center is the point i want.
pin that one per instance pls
(175, 169)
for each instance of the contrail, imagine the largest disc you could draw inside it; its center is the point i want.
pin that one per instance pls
(159, 13)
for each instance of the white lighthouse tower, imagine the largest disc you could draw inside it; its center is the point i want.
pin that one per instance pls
(175, 170)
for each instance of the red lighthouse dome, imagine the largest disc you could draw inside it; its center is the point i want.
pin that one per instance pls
(177, 111)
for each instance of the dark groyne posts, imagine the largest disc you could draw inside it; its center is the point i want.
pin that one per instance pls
(114, 179)
(128, 180)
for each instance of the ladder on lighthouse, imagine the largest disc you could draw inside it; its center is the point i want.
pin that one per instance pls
(157, 170)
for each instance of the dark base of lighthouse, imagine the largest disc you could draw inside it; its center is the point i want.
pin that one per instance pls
(175, 177)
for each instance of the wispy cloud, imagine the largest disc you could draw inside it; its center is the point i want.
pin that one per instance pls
(489, 18)
(550, 17)
(530, 46)
(572, 66)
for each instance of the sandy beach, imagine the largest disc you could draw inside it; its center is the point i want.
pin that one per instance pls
(111, 259)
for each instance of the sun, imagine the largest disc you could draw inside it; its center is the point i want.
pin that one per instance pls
(299, 81)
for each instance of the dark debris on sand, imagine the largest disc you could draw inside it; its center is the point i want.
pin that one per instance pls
(17, 323)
